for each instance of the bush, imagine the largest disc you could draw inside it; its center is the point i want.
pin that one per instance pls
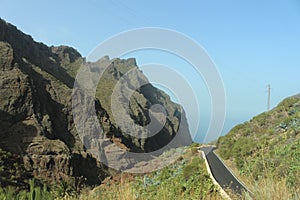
(192, 168)
(35, 192)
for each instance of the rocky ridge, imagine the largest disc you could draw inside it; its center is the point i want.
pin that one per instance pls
(36, 121)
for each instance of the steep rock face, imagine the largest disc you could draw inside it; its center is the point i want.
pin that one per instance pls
(139, 106)
(36, 119)
(35, 109)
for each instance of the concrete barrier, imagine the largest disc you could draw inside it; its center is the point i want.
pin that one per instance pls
(222, 192)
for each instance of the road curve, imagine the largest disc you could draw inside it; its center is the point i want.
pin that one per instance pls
(222, 175)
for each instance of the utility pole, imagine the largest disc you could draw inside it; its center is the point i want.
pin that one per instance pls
(269, 97)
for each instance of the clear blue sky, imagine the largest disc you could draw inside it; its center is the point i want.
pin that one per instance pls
(253, 43)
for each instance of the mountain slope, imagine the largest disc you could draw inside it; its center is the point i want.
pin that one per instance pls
(36, 119)
(188, 176)
(267, 145)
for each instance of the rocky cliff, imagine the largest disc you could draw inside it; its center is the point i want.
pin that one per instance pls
(36, 121)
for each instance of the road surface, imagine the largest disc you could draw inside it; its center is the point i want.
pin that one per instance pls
(222, 175)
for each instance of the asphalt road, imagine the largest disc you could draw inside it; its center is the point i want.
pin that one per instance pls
(222, 175)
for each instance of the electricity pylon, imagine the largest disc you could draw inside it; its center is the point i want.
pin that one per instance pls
(269, 97)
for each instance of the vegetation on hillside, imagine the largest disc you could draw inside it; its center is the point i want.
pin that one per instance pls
(185, 179)
(12, 172)
(35, 192)
(266, 150)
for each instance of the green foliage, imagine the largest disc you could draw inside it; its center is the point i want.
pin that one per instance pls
(35, 192)
(12, 172)
(196, 145)
(268, 145)
(185, 179)
(64, 190)
(192, 168)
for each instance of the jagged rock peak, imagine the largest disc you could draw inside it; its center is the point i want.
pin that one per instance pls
(65, 52)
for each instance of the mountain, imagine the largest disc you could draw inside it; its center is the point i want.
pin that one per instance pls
(36, 123)
(267, 146)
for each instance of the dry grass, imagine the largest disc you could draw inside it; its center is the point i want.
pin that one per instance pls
(185, 180)
(267, 187)
(124, 191)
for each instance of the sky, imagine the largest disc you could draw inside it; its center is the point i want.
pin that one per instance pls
(252, 43)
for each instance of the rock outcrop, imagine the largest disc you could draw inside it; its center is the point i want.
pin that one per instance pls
(36, 121)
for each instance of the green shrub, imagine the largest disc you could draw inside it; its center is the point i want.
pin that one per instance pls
(35, 192)
(192, 168)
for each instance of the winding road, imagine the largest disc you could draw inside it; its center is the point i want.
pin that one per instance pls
(221, 173)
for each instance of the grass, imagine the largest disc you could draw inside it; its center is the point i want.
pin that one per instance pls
(185, 179)
(35, 192)
(266, 186)
(272, 188)
(265, 152)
